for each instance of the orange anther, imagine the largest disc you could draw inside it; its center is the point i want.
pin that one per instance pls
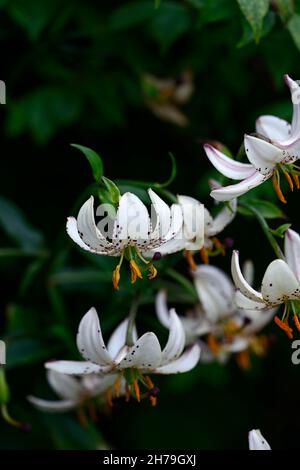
(243, 360)
(109, 397)
(297, 322)
(213, 344)
(204, 255)
(289, 180)
(137, 390)
(190, 259)
(296, 180)
(284, 326)
(277, 188)
(219, 245)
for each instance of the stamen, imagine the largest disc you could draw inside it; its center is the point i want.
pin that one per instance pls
(152, 272)
(213, 344)
(219, 245)
(243, 360)
(127, 392)
(190, 259)
(153, 400)
(116, 277)
(92, 412)
(149, 382)
(284, 326)
(276, 186)
(137, 390)
(82, 417)
(289, 179)
(297, 322)
(135, 271)
(296, 180)
(109, 397)
(117, 386)
(204, 255)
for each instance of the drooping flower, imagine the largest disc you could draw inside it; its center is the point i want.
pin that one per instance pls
(276, 149)
(130, 233)
(280, 284)
(164, 96)
(200, 229)
(257, 441)
(74, 393)
(133, 362)
(227, 328)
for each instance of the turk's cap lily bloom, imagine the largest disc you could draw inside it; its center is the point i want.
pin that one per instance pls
(144, 357)
(131, 231)
(257, 441)
(215, 225)
(280, 284)
(278, 148)
(73, 392)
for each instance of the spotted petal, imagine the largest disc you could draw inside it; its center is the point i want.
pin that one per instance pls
(118, 338)
(235, 190)
(193, 222)
(187, 361)
(279, 283)
(144, 354)
(163, 216)
(224, 218)
(292, 251)
(90, 342)
(263, 155)
(75, 367)
(227, 166)
(132, 220)
(257, 441)
(88, 230)
(241, 282)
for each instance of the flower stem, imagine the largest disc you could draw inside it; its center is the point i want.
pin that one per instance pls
(183, 281)
(131, 321)
(266, 229)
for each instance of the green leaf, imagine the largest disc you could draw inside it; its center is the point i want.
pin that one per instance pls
(248, 36)
(254, 12)
(170, 22)
(131, 14)
(94, 160)
(280, 231)
(267, 209)
(23, 351)
(15, 225)
(285, 9)
(294, 28)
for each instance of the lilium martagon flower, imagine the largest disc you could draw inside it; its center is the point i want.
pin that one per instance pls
(280, 285)
(228, 329)
(257, 441)
(131, 232)
(135, 363)
(275, 149)
(82, 394)
(200, 229)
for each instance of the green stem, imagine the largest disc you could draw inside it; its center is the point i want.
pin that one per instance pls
(266, 229)
(183, 281)
(131, 321)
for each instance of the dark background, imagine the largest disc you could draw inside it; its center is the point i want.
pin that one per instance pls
(73, 72)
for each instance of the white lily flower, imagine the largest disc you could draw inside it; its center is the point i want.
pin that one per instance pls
(257, 441)
(133, 362)
(280, 284)
(73, 393)
(229, 329)
(132, 232)
(278, 149)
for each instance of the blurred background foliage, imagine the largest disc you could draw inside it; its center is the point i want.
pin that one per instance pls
(78, 71)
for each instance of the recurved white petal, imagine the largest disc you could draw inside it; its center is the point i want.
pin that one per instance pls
(187, 361)
(64, 385)
(193, 221)
(132, 220)
(241, 282)
(263, 155)
(257, 441)
(295, 95)
(72, 231)
(292, 251)
(88, 230)
(176, 340)
(163, 216)
(161, 307)
(118, 338)
(243, 302)
(90, 342)
(227, 166)
(176, 222)
(279, 283)
(215, 291)
(58, 406)
(144, 354)
(224, 218)
(273, 127)
(232, 191)
(75, 367)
